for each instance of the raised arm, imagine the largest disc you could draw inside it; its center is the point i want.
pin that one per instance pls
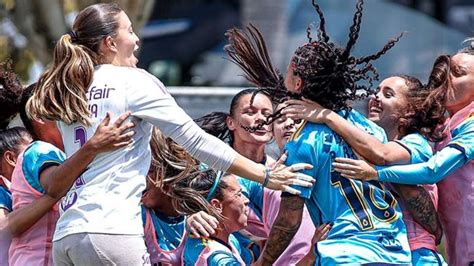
(160, 109)
(442, 164)
(372, 149)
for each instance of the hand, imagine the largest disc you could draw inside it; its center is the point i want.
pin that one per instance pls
(281, 176)
(202, 224)
(321, 233)
(305, 109)
(110, 137)
(355, 169)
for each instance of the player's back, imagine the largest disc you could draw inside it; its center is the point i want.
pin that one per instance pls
(106, 197)
(368, 224)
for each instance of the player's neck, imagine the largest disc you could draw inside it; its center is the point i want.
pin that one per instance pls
(222, 235)
(393, 134)
(253, 152)
(166, 207)
(391, 130)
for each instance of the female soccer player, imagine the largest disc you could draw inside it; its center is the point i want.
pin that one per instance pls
(409, 131)
(12, 142)
(451, 82)
(264, 203)
(35, 211)
(93, 72)
(367, 226)
(164, 226)
(220, 195)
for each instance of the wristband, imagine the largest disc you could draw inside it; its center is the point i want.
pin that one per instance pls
(267, 177)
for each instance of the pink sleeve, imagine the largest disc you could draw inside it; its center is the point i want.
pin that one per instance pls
(301, 243)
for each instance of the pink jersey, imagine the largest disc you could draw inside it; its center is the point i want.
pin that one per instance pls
(418, 237)
(33, 247)
(158, 255)
(300, 245)
(456, 202)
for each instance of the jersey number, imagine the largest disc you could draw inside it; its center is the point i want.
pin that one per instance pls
(364, 198)
(80, 136)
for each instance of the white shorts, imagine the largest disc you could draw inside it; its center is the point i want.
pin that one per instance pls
(100, 249)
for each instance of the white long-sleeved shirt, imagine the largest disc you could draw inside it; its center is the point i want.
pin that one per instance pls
(105, 199)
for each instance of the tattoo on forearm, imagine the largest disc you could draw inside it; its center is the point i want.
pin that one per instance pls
(284, 228)
(421, 206)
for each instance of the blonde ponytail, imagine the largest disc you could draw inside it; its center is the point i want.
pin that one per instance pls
(61, 91)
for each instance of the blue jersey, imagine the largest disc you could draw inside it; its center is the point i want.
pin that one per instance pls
(419, 148)
(250, 251)
(5, 199)
(368, 226)
(212, 252)
(169, 230)
(254, 192)
(457, 153)
(463, 138)
(37, 157)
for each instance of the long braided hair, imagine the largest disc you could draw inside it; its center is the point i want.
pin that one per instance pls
(330, 74)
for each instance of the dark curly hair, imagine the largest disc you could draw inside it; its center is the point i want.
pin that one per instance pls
(10, 93)
(425, 118)
(330, 74)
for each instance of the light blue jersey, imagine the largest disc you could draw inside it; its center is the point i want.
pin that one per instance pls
(463, 138)
(419, 148)
(212, 252)
(169, 230)
(254, 192)
(457, 153)
(37, 157)
(5, 199)
(250, 251)
(368, 226)
(425, 254)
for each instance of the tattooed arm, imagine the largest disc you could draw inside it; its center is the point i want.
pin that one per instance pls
(421, 207)
(283, 230)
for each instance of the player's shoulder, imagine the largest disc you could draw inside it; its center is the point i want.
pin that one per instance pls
(308, 130)
(418, 146)
(466, 126)
(130, 74)
(38, 147)
(415, 139)
(362, 122)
